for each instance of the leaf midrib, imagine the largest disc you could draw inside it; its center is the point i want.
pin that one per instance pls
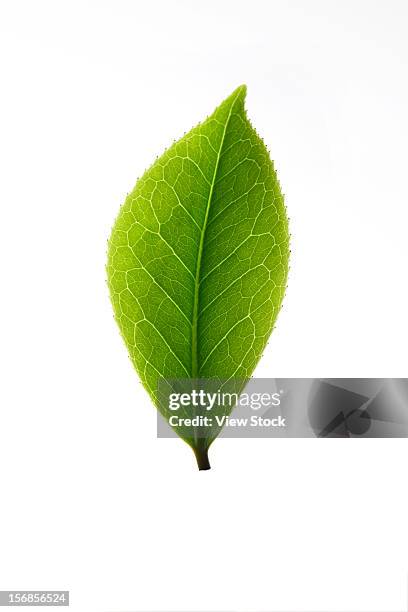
(194, 338)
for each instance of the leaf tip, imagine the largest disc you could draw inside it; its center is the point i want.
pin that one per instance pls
(241, 90)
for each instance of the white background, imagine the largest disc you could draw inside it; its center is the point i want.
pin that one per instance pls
(91, 501)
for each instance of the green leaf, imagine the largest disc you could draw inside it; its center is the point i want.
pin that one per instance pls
(198, 258)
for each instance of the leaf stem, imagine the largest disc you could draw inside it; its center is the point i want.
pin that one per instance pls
(201, 454)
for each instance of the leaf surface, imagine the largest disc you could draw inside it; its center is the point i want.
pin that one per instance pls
(198, 256)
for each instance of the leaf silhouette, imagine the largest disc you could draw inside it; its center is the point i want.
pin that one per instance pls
(198, 258)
